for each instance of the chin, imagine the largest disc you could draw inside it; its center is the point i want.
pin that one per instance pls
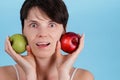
(43, 54)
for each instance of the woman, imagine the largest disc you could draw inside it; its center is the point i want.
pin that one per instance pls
(43, 23)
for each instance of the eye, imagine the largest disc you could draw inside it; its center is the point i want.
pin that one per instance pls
(34, 25)
(52, 24)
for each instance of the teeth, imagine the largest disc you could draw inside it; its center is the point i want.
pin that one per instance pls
(42, 43)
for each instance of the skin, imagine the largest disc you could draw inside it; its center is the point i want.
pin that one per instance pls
(43, 62)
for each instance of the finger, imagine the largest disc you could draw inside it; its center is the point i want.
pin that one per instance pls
(81, 44)
(8, 47)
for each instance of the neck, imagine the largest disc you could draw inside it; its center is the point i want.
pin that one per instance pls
(46, 69)
(44, 64)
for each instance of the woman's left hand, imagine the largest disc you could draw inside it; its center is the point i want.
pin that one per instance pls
(65, 62)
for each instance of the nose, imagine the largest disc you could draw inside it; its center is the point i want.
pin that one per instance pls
(42, 32)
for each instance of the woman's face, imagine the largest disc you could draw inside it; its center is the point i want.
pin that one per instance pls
(42, 33)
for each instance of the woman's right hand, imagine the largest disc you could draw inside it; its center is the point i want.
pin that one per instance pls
(27, 63)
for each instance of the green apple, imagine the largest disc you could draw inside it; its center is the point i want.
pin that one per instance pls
(18, 43)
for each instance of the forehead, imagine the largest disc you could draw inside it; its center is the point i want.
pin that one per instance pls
(36, 12)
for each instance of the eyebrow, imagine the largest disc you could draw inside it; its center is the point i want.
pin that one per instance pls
(33, 20)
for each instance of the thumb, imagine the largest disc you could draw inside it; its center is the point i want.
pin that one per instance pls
(58, 55)
(58, 48)
(29, 51)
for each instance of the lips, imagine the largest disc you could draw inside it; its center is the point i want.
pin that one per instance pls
(42, 44)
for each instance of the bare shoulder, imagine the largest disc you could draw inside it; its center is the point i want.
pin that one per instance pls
(7, 73)
(83, 74)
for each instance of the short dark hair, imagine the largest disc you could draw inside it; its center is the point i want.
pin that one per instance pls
(56, 10)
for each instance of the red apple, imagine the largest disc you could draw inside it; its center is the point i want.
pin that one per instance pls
(69, 42)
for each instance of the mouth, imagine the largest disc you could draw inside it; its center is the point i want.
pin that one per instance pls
(42, 44)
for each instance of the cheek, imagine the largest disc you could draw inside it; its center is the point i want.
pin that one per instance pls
(57, 36)
(58, 32)
(28, 36)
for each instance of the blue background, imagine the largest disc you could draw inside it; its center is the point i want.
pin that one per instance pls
(98, 19)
